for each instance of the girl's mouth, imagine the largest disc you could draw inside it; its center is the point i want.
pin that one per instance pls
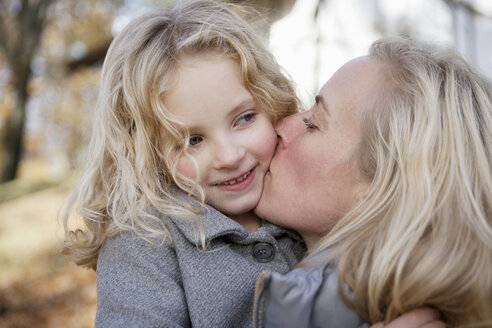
(237, 180)
(238, 184)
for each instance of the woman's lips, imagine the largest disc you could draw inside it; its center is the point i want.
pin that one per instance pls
(239, 183)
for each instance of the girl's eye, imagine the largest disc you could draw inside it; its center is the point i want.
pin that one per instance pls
(194, 140)
(245, 119)
(308, 123)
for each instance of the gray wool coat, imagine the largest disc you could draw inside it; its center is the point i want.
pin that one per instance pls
(178, 285)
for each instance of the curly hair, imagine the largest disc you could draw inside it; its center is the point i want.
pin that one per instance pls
(130, 173)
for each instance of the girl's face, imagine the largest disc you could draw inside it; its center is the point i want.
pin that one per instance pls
(231, 141)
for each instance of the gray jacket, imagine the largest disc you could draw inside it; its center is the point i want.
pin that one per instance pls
(178, 285)
(305, 297)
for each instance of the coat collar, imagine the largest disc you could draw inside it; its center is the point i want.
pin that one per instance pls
(217, 225)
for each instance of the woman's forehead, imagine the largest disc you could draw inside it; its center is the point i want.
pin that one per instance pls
(354, 83)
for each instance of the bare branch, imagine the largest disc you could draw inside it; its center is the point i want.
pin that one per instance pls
(24, 6)
(40, 11)
(470, 8)
(3, 36)
(93, 57)
(5, 47)
(3, 8)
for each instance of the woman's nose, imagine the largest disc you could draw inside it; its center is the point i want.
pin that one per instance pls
(228, 155)
(287, 129)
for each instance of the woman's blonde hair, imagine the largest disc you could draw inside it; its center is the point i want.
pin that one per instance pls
(130, 173)
(422, 233)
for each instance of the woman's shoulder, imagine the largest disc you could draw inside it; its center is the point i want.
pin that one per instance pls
(306, 296)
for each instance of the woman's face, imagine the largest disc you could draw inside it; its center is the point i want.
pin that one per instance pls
(314, 178)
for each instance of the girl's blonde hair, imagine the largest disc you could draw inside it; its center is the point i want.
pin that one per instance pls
(129, 177)
(422, 233)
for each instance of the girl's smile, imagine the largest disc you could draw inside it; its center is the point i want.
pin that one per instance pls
(231, 140)
(238, 184)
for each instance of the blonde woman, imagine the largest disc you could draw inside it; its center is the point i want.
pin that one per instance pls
(394, 161)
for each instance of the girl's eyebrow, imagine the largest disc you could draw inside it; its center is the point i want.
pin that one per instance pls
(320, 100)
(248, 103)
(243, 104)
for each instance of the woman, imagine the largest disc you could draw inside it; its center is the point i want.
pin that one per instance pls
(389, 176)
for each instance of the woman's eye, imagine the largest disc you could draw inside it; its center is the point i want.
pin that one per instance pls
(308, 123)
(194, 140)
(245, 119)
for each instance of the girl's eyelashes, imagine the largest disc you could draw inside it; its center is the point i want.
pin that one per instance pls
(308, 123)
(248, 117)
(194, 141)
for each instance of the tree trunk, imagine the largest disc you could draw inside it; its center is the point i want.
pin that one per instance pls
(14, 127)
(19, 50)
(12, 140)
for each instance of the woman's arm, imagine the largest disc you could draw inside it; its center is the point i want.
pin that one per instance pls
(419, 318)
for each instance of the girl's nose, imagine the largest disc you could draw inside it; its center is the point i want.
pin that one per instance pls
(228, 155)
(287, 129)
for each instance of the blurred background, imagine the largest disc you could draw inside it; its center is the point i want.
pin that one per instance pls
(51, 52)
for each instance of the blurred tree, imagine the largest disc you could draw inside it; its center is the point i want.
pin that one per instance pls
(270, 10)
(82, 31)
(42, 43)
(21, 25)
(273, 9)
(466, 5)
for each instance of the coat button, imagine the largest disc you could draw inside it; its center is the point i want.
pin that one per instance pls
(263, 252)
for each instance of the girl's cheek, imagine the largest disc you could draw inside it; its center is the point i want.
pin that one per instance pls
(267, 140)
(273, 141)
(186, 168)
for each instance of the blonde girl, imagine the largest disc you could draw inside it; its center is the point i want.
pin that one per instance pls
(187, 99)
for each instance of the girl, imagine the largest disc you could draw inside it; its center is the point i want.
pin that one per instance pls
(184, 116)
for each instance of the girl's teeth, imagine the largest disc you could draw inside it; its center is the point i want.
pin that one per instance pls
(236, 180)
